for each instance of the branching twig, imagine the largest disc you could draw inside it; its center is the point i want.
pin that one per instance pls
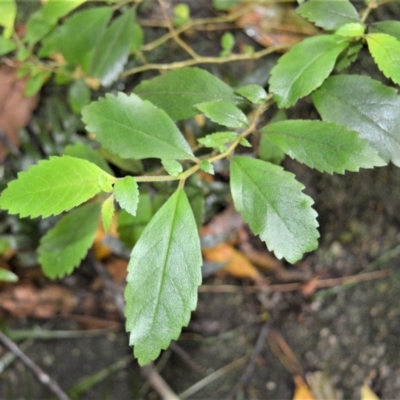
(42, 376)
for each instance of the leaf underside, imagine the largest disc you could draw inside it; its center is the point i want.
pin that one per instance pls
(163, 275)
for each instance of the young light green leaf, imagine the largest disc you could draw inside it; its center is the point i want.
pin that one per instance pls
(127, 194)
(8, 12)
(206, 166)
(365, 106)
(107, 212)
(79, 35)
(163, 275)
(35, 83)
(224, 5)
(222, 113)
(133, 128)
(218, 140)
(227, 43)
(80, 150)
(182, 14)
(64, 246)
(113, 49)
(244, 142)
(353, 29)
(325, 146)
(296, 76)
(7, 276)
(173, 167)
(188, 87)
(78, 96)
(106, 182)
(385, 50)
(51, 187)
(392, 28)
(6, 45)
(272, 203)
(254, 93)
(53, 10)
(329, 15)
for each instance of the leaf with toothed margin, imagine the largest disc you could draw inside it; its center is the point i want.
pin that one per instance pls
(52, 186)
(163, 275)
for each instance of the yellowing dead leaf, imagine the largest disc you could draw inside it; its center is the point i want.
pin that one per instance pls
(101, 250)
(302, 392)
(236, 263)
(368, 394)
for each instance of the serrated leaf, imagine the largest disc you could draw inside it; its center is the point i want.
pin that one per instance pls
(8, 12)
(329, 14)
(79, 35)
(392, 28)
(80, 150)
(177, 92)
(325, 146)
(127, 194)
(7, 276)
(254, 93)
(173, 167)
(6, 45)
(163, 275)
(206, 166)
(296, 76)
(64, 246)
(106, 182)
(225, 114)
(51, 187)
(272, 203)
(385, 50)
(365, 106)
(134, 128)
(113, 49)
(107, 212)
(218, 140)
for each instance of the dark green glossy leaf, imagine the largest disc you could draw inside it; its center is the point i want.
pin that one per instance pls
(113, 49)
(272, 203)
(365, 106)
(325, 146)
(163, 275)
(385, 50)
(296, 76)
(177, 92)
(329, 15)
(225, 114)
(392, 28)
(65, 245)
(127, 194)
(51, 187)
(133, 128)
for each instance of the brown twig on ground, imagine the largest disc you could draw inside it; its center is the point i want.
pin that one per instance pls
(245, 378)
(185, 357)
(41, 376)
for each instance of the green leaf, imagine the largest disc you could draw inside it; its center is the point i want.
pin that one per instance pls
(272, 203)
(222, 113)
(392, 28)
(6, 45)
(365, 106)
(51, 187)
(113, 49)
(6, 275)
(353, 29)
(268, 151)
(385, 50)
(106, 182)
(129, 165)
(177, 92)
(107, 212)
(78, 96)
(163, 275)
(35, 83)
(348, 56)
(325, 146)
(133, 128)
(296, 76)
(173, 167)
(227, 44)
(53, 10)
(127, 194)
(206, 166)
(80, 150)
(254, 93)
(218, 140)
(182, 14)
(79, 35)
(224, 5)
(8, 12)
(64, 246)
(329, 14)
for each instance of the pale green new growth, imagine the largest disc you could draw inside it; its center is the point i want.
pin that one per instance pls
(127, 194)
(51, 187)
(107, 212)
(225, 114)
